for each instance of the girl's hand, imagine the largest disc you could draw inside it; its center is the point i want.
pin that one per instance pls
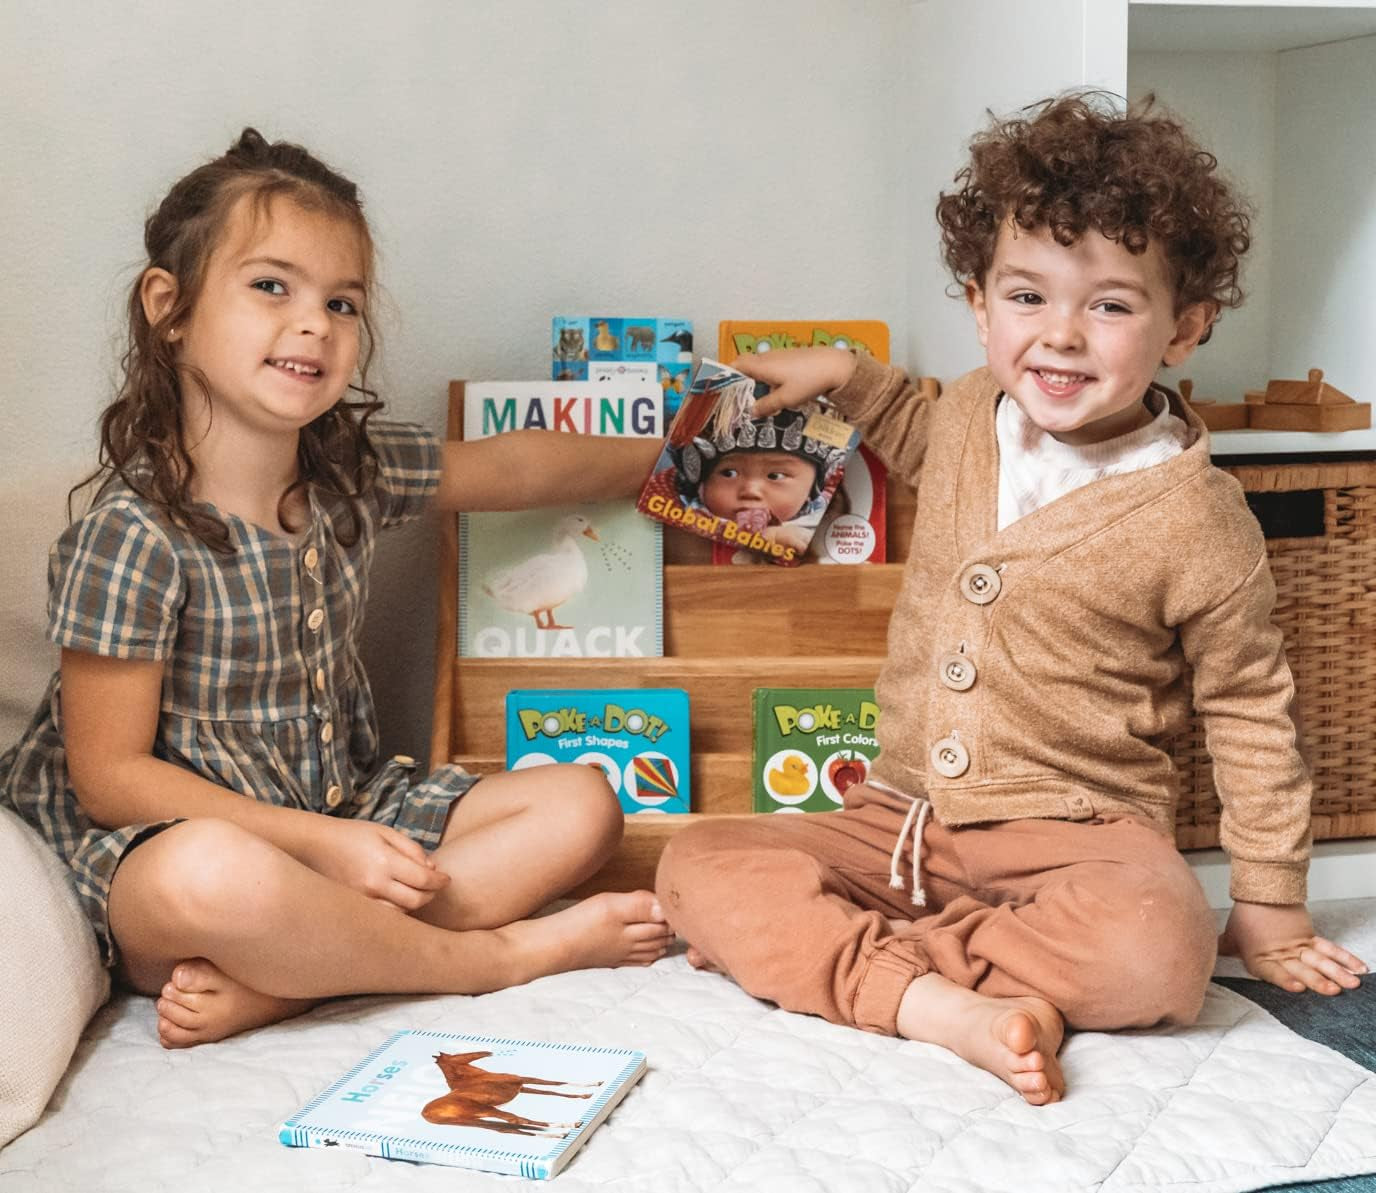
(376, 860)
(1277, 944)
(795, 375)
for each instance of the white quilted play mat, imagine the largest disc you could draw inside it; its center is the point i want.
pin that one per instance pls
(739, 1096)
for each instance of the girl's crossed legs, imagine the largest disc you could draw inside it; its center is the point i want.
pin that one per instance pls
(232, 932)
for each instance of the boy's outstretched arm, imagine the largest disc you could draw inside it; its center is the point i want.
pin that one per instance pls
(522, 469)
(1276, 942)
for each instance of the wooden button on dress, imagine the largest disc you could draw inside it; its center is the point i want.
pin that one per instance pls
(316, 619)
(311, 558)
(327, 733)
(957, 671)
(334, 795)
(950, 758)
(980, 584)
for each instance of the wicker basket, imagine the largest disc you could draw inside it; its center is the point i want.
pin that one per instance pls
(1325, 572)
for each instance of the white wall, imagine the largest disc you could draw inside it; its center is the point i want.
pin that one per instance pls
(1325, 203)
(1229, 101)
(967, 58)
(519, 159)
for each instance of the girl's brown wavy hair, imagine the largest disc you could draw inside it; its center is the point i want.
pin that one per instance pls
(142, 432)
(1077, 162)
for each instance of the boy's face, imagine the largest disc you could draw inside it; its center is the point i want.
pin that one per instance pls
(773, 481)
(1075, 334)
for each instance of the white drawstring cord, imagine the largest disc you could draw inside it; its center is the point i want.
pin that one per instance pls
(917, 811)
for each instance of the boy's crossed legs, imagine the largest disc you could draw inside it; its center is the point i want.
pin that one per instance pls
(1029, 925)
(232, 933)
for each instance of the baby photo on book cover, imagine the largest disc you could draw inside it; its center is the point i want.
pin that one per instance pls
(760, 485)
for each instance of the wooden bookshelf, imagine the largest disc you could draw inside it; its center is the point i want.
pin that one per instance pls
(727, 631)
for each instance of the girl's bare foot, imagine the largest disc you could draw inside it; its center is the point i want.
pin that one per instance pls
(698, 961)
(1015, 1039)
(610, 929)
(201, 1003)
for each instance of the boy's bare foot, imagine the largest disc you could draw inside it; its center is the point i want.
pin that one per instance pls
(1015, 1039)
(201, 1003)
(614, 928)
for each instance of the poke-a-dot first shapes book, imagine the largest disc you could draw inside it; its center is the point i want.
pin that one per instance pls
(512, 1106)
(575, 581)
(638, 737)
(613, 348)
(758, 485)
(810, 746)
(854, 528)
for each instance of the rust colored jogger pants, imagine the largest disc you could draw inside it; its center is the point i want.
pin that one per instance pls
(1103, 919)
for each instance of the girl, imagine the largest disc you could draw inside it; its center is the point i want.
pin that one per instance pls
(208, 608)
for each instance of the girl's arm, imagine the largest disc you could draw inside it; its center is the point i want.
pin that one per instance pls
(522, 469)
(110, 713)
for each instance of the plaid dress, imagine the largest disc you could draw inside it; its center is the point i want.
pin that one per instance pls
(263, 692)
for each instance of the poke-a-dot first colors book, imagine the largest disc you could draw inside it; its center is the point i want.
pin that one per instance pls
(576, 581)
(811, 745)
(638, 737)
(519, 1107)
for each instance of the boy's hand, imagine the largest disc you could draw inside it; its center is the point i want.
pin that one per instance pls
(795, 375)
(1276, 943)
(378, 861)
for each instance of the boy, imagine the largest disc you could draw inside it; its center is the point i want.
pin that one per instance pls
(1075, 557)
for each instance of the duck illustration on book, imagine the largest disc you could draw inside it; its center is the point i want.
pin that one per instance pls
(476, 1096)
(542, 583)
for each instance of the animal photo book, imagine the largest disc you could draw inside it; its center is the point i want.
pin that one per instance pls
(759, 485)
(576, 581)
(511, 1106)
(810, 746)
(611, 348)
(638, 737)
(855, 527)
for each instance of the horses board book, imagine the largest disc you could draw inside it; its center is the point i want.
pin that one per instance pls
(755, 484)
(572, 581)
(637, 737)
(614, 348)
(854, 528)
(810, 746)
(518, 1107)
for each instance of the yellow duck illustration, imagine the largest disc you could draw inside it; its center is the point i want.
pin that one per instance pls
(791, 778)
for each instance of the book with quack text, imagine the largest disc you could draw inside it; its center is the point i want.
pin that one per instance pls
(811, 744)
(854, 529)
(637, 736)
(575, 581)
(614, 348)
(519, 1107)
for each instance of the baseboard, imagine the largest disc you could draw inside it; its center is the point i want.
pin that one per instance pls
(1338, 870)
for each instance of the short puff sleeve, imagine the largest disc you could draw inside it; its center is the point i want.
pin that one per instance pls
(408, 470)
(115, 585)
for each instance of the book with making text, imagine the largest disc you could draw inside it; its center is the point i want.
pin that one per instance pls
(572, 581)
(519, 1107)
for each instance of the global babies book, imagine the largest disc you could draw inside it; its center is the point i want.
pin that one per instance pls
(575, 581)
(518, 1107)
(759, 485)
(638, 737)
(810, 746)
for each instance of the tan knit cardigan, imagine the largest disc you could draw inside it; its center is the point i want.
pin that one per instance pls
(1038, 671)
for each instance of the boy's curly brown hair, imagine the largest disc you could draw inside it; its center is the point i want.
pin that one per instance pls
(1076, 162)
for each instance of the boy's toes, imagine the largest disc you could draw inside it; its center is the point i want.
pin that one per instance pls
(171, 1035)
(195, 976)
(176, 1014)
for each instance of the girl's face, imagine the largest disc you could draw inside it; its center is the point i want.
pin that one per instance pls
(275, 329)
(773, 481)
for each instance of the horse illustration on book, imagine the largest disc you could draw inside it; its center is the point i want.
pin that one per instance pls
(476, 1096)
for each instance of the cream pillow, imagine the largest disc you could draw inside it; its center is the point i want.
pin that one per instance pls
(53, 979)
